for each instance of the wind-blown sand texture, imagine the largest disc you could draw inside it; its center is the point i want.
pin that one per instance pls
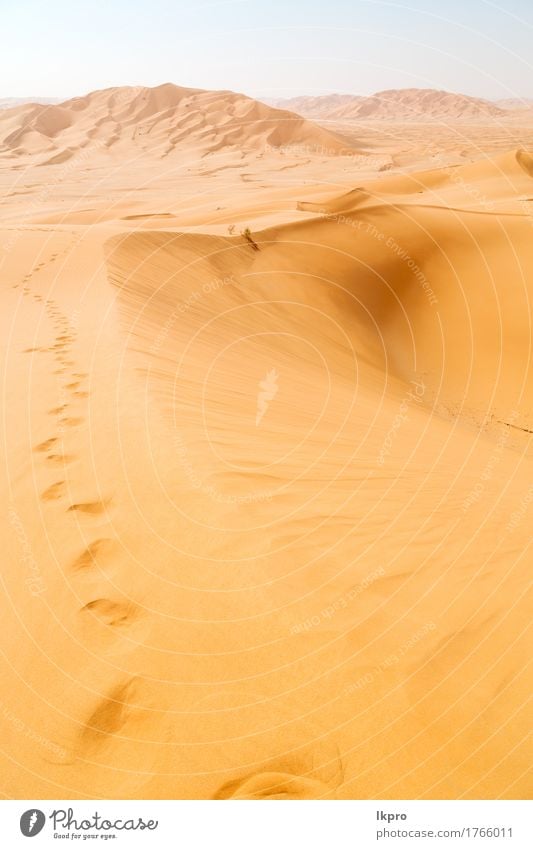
(267, 504)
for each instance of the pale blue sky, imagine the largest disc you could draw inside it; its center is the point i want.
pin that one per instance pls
(267, 47)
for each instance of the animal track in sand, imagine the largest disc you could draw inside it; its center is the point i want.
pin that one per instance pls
(54, 492)
(113, 613)
(71, 421)
(73, 385)
(274, 785)
(60, 459)
(109, 716)
(93, 554)
(91, 507)
(46, 445)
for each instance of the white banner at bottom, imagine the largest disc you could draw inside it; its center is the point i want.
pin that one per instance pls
(268, 825)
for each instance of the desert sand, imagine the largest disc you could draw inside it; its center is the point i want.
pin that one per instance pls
(266, 513)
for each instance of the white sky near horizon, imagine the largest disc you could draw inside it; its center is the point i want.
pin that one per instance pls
(267, 48)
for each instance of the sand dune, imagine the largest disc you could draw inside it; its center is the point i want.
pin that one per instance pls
(419, 227)
(265, 517)
(155, 122)
(513, 103)
(10, 102)
(394, 105)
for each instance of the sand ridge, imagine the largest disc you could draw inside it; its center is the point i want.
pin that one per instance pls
(409, 104)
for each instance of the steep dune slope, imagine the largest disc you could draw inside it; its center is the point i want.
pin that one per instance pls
(445, 261)
(300, 379)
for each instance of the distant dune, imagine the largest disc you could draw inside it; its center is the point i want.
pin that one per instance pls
(514, 103)
(156, 122)
(10, 102)
(395, 104)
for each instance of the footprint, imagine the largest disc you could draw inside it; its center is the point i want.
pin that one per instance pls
(71, 421)
(116, 614)
(92, 507)
(81, 394)
(275, 785)
(57, 490)
(55, 411)
(45, 446)
(73, 385)
(103, 547)
(60, 459)
(110, 715)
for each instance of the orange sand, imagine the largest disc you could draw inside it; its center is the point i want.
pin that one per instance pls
(267, 504)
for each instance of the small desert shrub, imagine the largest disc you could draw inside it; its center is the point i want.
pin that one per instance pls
(247, 233)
